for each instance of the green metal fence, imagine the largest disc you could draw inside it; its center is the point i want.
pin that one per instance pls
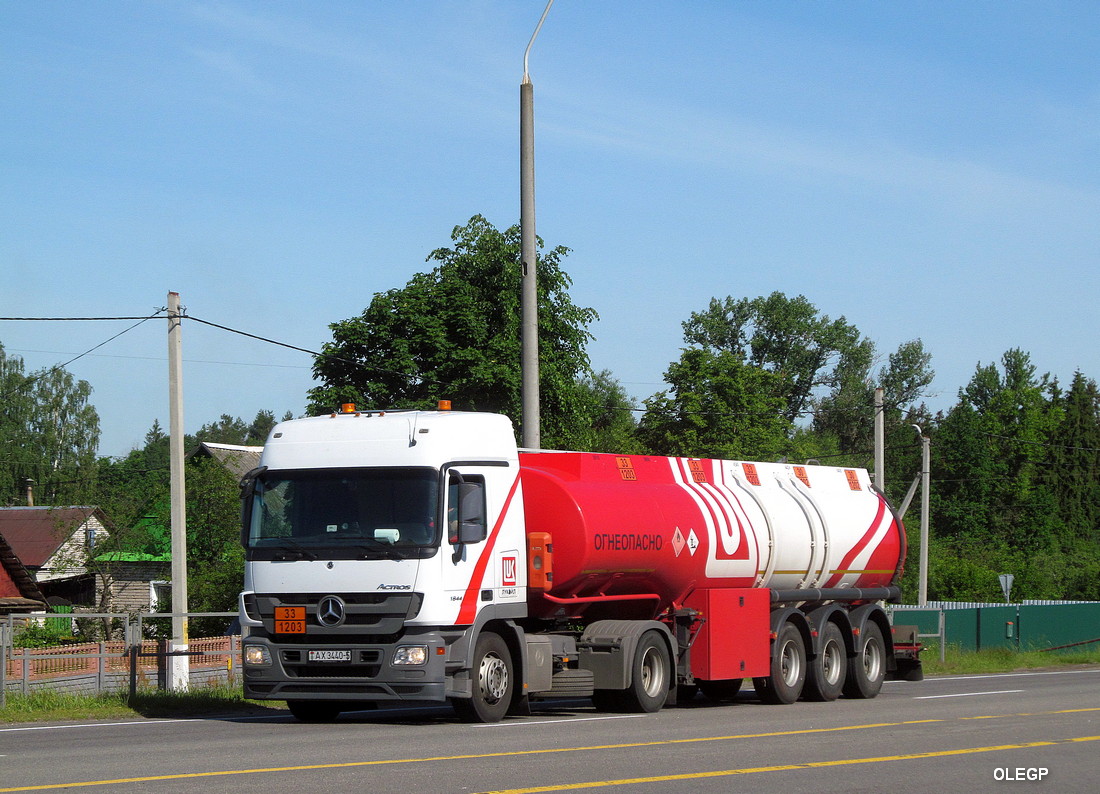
(1020, 627)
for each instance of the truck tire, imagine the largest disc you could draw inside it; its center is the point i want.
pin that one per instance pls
(867, 669)
(651, 675)
(827, 672)
(491, 671)
(788, 670)
(720, 690)
(315, 710)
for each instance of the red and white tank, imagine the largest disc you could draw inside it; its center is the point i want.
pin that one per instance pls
(627, 525)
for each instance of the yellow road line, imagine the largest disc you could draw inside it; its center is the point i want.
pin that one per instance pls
(474, 756)
(786, 767)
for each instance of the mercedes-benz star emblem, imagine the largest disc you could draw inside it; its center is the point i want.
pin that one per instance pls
(330, 611)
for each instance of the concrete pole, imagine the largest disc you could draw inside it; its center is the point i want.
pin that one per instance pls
(880, 440)
(178, 671)
(925, 443)
(529, 306)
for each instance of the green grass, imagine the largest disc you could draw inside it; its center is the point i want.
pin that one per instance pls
(1001, 660)
(45, 705)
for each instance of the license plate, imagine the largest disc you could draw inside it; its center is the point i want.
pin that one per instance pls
(330, 656)
(290, 620)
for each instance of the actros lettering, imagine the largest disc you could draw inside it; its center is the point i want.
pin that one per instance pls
(625, 541)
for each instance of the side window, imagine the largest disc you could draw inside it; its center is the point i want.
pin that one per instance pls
(466, 513)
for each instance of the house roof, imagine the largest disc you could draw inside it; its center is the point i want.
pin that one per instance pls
(239, 460)
(35, 533)
(13, 568)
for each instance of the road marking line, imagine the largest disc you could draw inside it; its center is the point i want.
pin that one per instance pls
(968, 694)
(93, 725)
(390, 761)
(515, 753)
(788, 767)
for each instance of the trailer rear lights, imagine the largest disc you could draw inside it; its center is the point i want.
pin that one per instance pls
(257, 655)
(410, 655)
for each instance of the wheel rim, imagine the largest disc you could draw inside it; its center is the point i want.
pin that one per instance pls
(832, 662)
(872, 661)
(653, 672)
(790, 663)
(492, 678)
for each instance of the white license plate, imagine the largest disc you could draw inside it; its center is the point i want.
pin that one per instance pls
(330, 656)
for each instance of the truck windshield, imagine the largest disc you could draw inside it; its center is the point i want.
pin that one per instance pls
(358, 512)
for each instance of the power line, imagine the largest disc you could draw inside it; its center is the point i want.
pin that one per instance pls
(76, 319)
(31, 380)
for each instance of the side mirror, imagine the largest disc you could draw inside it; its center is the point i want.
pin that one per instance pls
(471, 513)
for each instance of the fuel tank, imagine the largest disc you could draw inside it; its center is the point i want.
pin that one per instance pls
(631, 530)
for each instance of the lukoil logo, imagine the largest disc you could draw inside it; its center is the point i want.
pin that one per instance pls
(508, 571)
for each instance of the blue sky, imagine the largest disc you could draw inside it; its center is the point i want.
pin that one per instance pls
(925, 169)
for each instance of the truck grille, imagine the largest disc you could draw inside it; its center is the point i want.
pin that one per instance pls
(377, 614)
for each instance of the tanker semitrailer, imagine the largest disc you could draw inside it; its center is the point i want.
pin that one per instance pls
(419, 556)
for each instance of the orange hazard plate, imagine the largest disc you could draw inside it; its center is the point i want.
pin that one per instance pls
(290, 620)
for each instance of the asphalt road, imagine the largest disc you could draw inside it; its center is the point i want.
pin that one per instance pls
(973, 733)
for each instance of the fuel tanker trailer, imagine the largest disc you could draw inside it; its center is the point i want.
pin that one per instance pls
(419, 556)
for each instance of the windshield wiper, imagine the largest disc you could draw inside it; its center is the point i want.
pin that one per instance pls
(288, 549)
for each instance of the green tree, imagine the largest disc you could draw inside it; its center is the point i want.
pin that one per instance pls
(991, 498)
(49, 432)
(453, 333)
(1074, 478)
(719, 407)
(807, 351)
(215, 559)
(611, 426)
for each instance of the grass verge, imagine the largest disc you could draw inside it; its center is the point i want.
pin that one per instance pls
(48, 706)
(1001, 660)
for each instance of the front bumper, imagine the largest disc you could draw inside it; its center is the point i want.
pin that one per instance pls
(370, 675)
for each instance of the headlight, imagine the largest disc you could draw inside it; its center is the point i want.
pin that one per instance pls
(257, 655)
(411, 654)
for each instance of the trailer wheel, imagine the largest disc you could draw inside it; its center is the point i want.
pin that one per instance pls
(867, 669)
(788, 671)
(721, 690)
(315, 710)
(827, 672)
(651, 676)
(492, 682)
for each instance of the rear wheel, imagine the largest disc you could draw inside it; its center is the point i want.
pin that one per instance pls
(788, 670)
(492, 682)
(867, 669)
(826, 673)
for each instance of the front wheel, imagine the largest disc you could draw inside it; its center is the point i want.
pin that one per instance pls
(492, 682)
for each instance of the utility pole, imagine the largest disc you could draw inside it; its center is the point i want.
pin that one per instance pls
(880, 440)
(529, 307)
(925, 466)
(178, 668)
